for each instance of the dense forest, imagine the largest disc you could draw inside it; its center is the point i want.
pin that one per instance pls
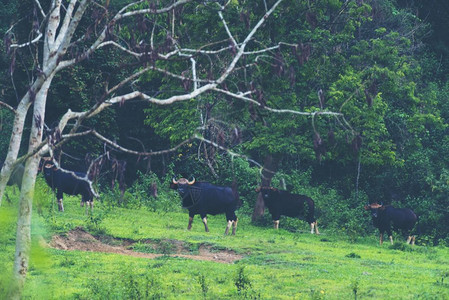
(345, 101)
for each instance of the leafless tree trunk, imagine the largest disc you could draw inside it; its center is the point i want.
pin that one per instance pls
(23, 235)
(14, 144)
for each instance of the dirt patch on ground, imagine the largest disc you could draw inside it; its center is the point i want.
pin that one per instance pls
(78, 239)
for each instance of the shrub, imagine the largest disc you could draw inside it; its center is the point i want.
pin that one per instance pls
(244, 285)
(142, 193)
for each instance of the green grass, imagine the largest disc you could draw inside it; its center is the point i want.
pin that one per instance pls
(275, 264)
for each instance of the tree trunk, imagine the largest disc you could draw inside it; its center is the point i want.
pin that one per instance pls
(14, 144)
(23, 235)
(270, 166)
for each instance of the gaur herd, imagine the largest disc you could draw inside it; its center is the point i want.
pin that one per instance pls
(203, 198)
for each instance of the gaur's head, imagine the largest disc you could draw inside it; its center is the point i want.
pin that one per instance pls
(47, 165)
(374, 209)
(182, 185)
(266, 191)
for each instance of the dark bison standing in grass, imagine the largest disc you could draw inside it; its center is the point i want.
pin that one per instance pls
(283, 203)
(67, 182)
(387, 217)
(203, 198)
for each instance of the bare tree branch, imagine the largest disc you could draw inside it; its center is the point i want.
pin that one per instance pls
(120, 15)
(9, 107)
(290, 111)
(33, 41)
(228, 151)
(150, 10)
(152, 153)
(40, 7)
(228, 31)
(67, 20)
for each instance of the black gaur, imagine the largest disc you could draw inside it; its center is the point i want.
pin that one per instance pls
(203, 198)
(68, 182)
(387, 217)
(282, 203)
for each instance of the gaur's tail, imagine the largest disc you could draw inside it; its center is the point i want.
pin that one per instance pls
(417, 227)
(311, 210)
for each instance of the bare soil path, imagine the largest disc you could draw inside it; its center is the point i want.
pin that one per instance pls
(79, 239)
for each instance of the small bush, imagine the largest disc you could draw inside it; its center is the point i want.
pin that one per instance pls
(244, 285)
(143, 194)
(401, 246)
(352, 255)
(93, 222)
(242, 281)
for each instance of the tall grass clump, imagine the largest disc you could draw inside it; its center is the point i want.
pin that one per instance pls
(203, 284)
(244, 285)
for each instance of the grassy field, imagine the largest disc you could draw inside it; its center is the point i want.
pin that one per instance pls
(264, 263)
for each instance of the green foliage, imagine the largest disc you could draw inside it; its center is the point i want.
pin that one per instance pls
(352, 255)
(126, 286)
(93, 222)
(316, 294)
(244, 286)
(203, 284)
(140, 194)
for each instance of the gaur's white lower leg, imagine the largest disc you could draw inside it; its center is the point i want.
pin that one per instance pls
(190, 223)
(60, 205)
(312, 227)
(276, 224)
(409, 239)
(413, 240)
(228, 226)
(391, 239)
(234, 226)
(316, 228)
(205, 224)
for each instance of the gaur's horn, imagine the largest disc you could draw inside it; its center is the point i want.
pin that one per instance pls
(192, 181)
(174, 180)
